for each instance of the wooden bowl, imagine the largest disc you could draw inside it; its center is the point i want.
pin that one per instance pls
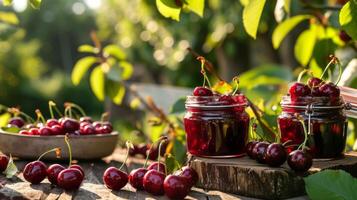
(86, 147)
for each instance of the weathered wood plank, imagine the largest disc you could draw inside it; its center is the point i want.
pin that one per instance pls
(246, 177)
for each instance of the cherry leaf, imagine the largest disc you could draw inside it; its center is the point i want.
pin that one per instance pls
(171, 163)
(85, 48)
(222, 87)
(168, 9)
(81, 67)
(304, 46)
(348, 18)
(251, 16)
(196, 6)
(11, 169)
(97, 82)
(7, 2)
(35, 3)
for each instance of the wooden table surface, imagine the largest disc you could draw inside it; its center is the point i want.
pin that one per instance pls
(92, 188)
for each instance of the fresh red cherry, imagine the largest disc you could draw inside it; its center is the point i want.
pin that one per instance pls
(176, 187)
(154, 182)
(259, 151)
(190, 174)
(114, 178)
(136, 178)
(300, 161)
(314, 82)
(157, 166)
(239, 99)
(133, 151)
(34, 131)
(57, 130)
(86, 119)
(52, 122)
(87, 130)
(17, 121)
(77, 167)
(53, 171)
(35, 172)
(142, 149)
(97, 124)
(70, 125)
(299, 90)
(202, 91)
(330, 90)
(226, 100)
(344, 36)
(4, 161)
(24, 132)
(45, 131)
(249, 148)
(83, 124)
(275, 155)
(105, 129)
(70, 179)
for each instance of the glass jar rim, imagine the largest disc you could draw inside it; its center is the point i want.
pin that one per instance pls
(312, 103)
(211, 102)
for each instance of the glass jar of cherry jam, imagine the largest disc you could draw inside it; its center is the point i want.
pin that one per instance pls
(328, 125)
(216, 128)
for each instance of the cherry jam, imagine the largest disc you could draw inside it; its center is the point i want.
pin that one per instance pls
(215, 127)
(328, 125)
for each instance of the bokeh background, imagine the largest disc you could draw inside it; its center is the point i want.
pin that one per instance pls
(38, 53)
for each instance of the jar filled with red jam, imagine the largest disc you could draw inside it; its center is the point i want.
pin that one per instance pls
(216, 126)
(326, 120)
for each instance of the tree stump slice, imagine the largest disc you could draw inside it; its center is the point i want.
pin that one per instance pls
(246, 177)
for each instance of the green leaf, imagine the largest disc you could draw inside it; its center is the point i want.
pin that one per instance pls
(179, 106)
(81, 67)
(196, 6)
(171, 164)
(115, 90)
(285, 27)
(169, 9)
(348, 18)
(135, 103)
(222, 87)
(9, 18)
(323, 48)
(331, 184)
(11, 169)
(304, 46)
(97, 82)
(35, 3)
(6, 2)
(11, 129)
(251, 16)
(114, 51)
(244, 2)
(4, 119)
(86, 48)
(127, 70)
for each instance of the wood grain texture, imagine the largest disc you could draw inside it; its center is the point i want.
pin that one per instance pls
(246, 177)
(92, 188)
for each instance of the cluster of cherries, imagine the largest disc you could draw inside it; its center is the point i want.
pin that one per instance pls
(316, 87)
(153, 179)
(150, 150)
(64, 125)
(69, 178)
(226, 99)
(275, 155)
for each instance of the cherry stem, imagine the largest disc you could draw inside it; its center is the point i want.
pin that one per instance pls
(80, 109)
(66, 139)
(68, 111)
(301, 75)
(105, 117)
(302, 145)
(339, 71)
(286, 142)
(50, 104)
(236, 80)
(40, 116)
(159, 156)
(128, 146)
(203, 72)
(49, 151)
(333, 60)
